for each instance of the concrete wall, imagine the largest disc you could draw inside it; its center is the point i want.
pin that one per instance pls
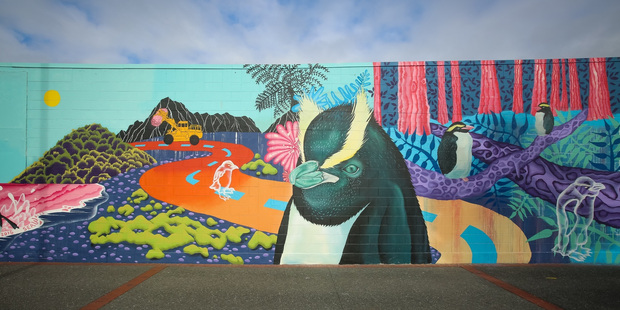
(274, 176)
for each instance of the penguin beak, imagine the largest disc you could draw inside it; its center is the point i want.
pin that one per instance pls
(597, 187)
(468, 128)
(308, 175)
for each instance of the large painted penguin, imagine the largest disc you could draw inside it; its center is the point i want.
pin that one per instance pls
(454, 152)
(544, 119)
(353, 201)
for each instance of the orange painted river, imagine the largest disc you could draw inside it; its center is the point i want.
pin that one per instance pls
(186, 184)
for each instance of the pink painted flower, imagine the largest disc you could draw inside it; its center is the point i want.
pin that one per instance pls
(283, 146)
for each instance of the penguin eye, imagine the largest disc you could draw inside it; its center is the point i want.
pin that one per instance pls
(351, 169)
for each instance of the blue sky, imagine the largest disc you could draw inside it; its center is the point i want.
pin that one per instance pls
(184, 33)
(327, 31)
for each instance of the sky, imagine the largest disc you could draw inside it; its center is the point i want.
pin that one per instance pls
(316, 31)
(199, 33)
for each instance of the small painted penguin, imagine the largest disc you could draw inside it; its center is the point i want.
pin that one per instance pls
(454, 153)
(580, 197)
(544, 119)
(222, 178)
(353, 201)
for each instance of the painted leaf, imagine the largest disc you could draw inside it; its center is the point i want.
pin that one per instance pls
(545, 233)
(601, 155)
(548, 220)
(598, 166)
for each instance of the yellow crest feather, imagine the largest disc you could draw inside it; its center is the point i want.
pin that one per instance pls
(357, 132)
(309, 110)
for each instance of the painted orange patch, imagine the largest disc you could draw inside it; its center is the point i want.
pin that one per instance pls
(454, 216)
(169, 183)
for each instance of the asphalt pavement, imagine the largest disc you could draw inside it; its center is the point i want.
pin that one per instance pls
(161, 286)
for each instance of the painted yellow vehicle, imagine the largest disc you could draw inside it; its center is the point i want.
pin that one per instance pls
(181, 131)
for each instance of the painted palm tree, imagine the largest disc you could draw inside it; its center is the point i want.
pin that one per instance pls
(283, 82)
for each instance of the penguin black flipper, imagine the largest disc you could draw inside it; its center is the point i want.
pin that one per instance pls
(420, 247)
(446, 153)
(282, 231)
(391, 230)
(548, 122)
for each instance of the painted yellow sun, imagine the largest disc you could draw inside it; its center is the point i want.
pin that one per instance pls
(51, 98)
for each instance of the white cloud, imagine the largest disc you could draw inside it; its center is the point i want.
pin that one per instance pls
(270, 31)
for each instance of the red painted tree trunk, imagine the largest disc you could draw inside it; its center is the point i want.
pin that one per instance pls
(517, 92)
(554, 101)
(490, 100)
(598, 101)
(575, 93)
(539, 93)
(442, 113)
(563, 106)
(377, 91)
(413, 110)
(457, 114)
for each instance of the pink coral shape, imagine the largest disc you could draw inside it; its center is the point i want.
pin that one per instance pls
(24, 204)
(283, 146)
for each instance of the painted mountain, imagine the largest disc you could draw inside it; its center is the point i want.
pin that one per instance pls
(286, 117)
(89, 154)
(142, 130)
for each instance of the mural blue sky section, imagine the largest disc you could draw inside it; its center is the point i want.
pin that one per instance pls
(97, 96)
(272, 31)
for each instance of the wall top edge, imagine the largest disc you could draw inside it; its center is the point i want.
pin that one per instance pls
(12, 65)
(149, 66)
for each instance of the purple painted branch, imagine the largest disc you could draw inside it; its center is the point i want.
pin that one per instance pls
(435, 185)
(543, 179)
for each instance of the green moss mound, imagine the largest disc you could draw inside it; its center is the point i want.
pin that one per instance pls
(260, 166)
(126, 210)
(262, 239)
(181, 231)
(235, 260)
(193, 249)
(89, 154)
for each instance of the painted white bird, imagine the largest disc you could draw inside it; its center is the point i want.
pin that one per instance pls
(579, 196)
(222, 178)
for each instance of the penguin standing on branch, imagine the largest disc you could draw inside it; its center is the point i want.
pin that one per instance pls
(353, 201)
(454, 154)
(544, 119)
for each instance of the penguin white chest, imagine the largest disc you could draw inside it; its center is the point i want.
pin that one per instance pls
(463, 156)
(309, 243)
(540, 128)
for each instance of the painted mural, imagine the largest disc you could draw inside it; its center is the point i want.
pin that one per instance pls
(513, 161)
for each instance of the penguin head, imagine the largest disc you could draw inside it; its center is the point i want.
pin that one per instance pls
(228, 164)
(544, 107)
(328, 184)
(588, 187)
(459, 127)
